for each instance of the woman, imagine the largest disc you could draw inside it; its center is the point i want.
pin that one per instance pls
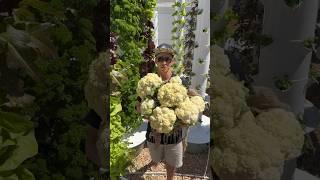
(166, 147)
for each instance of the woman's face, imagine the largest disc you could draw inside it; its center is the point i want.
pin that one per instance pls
(164, 62)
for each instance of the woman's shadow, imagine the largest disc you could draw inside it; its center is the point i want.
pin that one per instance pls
(140, 172)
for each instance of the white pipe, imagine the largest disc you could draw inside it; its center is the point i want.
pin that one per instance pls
(285, 55)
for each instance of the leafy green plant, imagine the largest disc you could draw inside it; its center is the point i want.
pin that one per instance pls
(20, 47)
(293, 3)
(178, 35)
(282, 83)
(128, 18)
(314, 72)
(128, 21)
(119, 151)
(190, 43)
(309, 43)
(248, 38)
(50, 47)
(17, 143)
(228, 19)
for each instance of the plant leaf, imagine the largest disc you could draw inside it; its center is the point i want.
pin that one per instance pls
(15, 61)
(43, 7)
(14, 123)
(26, 147)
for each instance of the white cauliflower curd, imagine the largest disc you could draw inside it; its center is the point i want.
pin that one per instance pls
(172, 94)
(162, 119)
(220, 60)
(198, 102)
(253, 135)
(148, 84)
(175, 79)
(147, 106)
(283, 125)
(246, 151)
(187, 112)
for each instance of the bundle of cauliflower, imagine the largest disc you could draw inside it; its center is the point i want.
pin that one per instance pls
(166, 104)
(253, 135)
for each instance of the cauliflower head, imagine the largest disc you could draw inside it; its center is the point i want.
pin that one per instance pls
(148, 84)
(147, 106)
(162, 119)
(220, 60)
(232, 92)
(246, 152)
(224, 113)
(226, 86)
(187, 112)
(172, 94)
(176, 79)
(199, 102)
(249, 147)
(283, 125)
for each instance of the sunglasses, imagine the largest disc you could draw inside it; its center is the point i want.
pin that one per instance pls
(164, 59)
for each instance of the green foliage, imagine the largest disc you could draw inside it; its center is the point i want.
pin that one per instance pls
(22, 46)
(220, 35)
(128, 20)
(282, 83)
(309, 43)
(17, 143)
(119, 151)
(314, 74)
(264, 40)
(293, 3)
(51, 41)
(178, 35)
(190, 43)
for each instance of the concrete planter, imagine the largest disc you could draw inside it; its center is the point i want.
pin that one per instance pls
(199, 137)
(137, 139)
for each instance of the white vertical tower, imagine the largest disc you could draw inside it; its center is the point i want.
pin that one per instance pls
(201, 61)
(286, 55)
(156, 28)
(164, 21)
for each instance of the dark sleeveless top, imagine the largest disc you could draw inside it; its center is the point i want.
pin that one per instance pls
(174, 137)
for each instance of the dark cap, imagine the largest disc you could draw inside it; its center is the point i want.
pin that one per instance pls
(164, 48)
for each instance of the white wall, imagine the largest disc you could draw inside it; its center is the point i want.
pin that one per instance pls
(164, 20)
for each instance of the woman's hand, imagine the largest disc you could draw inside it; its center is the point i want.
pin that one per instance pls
(192, 92)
